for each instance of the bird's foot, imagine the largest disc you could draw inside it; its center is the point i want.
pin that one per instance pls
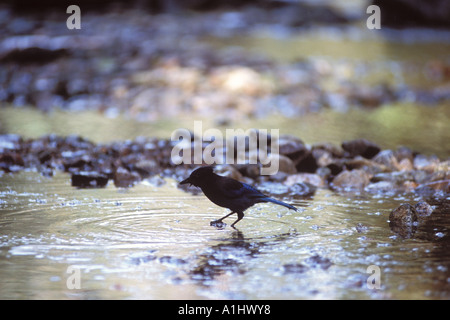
(218, 224)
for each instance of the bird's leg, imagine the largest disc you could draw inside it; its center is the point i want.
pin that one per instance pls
(219, 221)
(240, 216)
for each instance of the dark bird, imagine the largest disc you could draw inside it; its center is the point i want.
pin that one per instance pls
(228, 193)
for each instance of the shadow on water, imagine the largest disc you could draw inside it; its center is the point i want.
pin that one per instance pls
(230, 256)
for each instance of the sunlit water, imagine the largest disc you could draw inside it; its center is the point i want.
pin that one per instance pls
(150, 242)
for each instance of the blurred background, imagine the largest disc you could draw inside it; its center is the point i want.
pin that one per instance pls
(309, 68)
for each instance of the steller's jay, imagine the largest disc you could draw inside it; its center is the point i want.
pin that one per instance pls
(228, 193)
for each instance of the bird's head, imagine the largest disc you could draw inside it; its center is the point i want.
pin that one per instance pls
(199, 175)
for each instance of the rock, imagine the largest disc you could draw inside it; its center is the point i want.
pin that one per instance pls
(417, 13)
(367, 165)
(332, 149)
(442, 185)
(285, 164)
(307, 163)
(89, 180)
(124, 178)
(405, 165)
(351, 180)
(403, 220)
(405, 214)
(322, 157)
(292, 147)
(248, 170)
(11, 162)
(311, 178)
(387, 158)
(403, 152)
(361, 147)
(303, 189)
(381, 187)
(423, 209)
(227, 170)
(33, 55)
(426, 163)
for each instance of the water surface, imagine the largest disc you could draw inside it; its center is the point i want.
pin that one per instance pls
(150, 242)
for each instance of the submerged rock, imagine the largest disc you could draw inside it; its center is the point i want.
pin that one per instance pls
(403, 220)
(423, 209)
(405, 214)
(89, 180)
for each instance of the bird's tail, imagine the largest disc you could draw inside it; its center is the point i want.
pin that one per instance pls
(281, 203)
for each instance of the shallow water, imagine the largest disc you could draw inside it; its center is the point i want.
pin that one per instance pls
(156, 243)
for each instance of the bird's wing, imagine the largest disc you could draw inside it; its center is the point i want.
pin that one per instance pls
(233, 189)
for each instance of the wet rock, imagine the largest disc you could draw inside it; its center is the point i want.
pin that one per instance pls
(330, 148)
(303, 189)
(387, 158)
(405, 165)
(361, 147)
(322, 157)
(124, 178)
(433, 186)
(249, 170)
(311, 178)
(273, 188)
(381, 187)
(33, 55)
(145, 167)
(306, 163)
(285, 164)
(423, 209)
(403, 220)
(292, 147)
(419, 13)
(89, 180)
(403, 152)
(405, 214)
(11, 162)
(426, 163)
(367, 165)
(335, 168)
(351, 180)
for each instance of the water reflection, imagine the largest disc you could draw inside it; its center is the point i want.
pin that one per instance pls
(231, 255)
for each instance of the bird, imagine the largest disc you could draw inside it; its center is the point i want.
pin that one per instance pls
(228, 193)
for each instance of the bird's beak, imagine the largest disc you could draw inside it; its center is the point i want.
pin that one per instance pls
(185, 181)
